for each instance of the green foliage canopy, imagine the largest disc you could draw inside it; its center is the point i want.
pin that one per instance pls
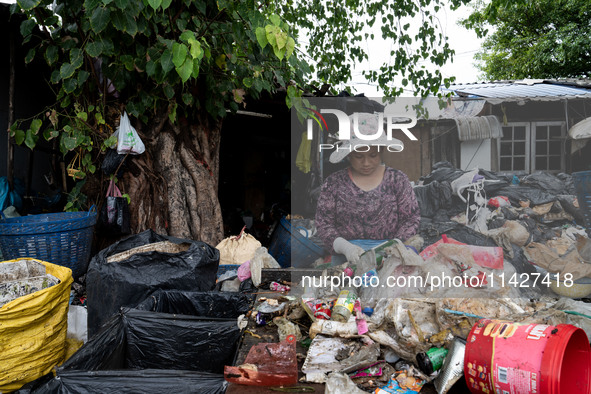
(533, 38)
(184, 57)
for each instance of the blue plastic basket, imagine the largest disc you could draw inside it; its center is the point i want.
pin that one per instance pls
(582, 181)
(62, 238)
(290, 248)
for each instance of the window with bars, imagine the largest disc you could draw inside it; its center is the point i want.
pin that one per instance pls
(513, 152)
(547, 151)
(529, 147)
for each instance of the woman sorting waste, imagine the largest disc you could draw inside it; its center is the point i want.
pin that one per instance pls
(367, 203)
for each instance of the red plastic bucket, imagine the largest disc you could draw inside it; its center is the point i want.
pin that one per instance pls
(514, 358)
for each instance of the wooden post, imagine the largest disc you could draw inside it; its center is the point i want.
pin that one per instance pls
(10, 146)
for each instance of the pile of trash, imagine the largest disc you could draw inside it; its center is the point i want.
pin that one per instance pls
(499, 271)
(495, 256)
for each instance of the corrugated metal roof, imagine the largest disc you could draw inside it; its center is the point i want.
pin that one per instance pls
(541, 90)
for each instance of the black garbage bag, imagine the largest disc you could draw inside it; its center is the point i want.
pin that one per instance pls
(434, 196)
(569, 183)
(197, 303)
(517, 193)
(147, 381)
(442, 171)
(150, 352)
(111, 285)
(567, 202)
(545, 181)
(431, 232)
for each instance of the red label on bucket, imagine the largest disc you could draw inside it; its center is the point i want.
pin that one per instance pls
(507, 358)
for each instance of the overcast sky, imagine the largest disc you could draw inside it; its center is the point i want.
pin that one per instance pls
(464, 42)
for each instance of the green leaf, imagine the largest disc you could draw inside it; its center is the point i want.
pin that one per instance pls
(30, 55)
(187, 98)
(272, 34)
(36, 125)
(131, 25)
(186, 36)
(99, 19)
(166, 61)
(68, 143)
(28, 4)
(119, 21)
(151, 68)
(90, 5)
(185, 70)
(281, 39)
(110, 142)
(31, 139)
(172, 112)
(167, 3)
(179, 54)
(76, 57)
(195, 50)
(50, 134)
(155, 4)
(127, 61)
(195, 71)
(275, 19)
(122, 4)
(66, 70)
(82, 115)
(82, 77)
(27, 27)
(94, 49)
(99, 118)
(51, 54)
(261, 37)
(289, 47)
(168, 91)
(247, 82)
(220, 61)
(279, 52)
(55, 76)
(70, 85)
(19, 136)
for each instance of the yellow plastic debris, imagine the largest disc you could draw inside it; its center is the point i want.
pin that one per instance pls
(33, 331)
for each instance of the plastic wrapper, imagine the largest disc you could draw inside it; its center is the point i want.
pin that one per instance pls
(262, 259)
(127, 282)
(111, 162)
(338, 383)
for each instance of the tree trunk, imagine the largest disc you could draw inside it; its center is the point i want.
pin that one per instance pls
(173, 186)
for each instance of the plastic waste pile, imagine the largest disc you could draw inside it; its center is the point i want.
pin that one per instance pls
(494, 257)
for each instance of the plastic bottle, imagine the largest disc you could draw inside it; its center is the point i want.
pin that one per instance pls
(344, 306)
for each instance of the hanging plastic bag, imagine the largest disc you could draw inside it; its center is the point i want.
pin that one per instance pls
(128, 140)
(114, 217)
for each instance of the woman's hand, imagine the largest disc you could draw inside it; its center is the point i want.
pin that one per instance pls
(351, 252)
